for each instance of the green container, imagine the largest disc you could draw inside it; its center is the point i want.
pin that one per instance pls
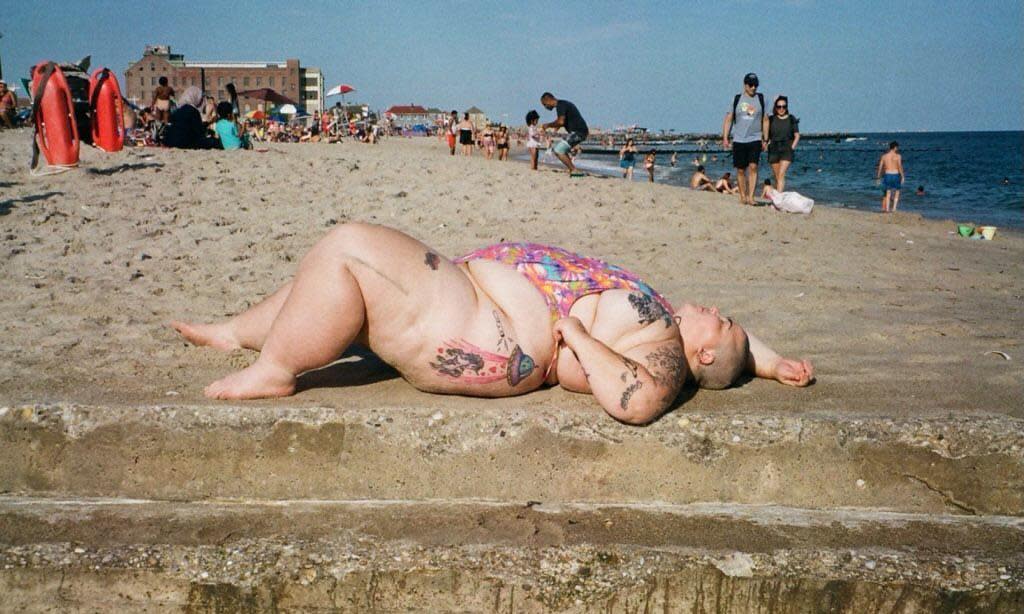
(965, 230)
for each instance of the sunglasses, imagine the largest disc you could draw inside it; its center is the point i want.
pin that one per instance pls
(781, 106)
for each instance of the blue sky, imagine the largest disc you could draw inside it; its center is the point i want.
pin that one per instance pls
(858, 66)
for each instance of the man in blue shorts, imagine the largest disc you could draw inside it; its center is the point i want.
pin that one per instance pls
(749, 126)
(569, 118)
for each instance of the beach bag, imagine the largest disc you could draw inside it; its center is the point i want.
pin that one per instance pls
(792, 202)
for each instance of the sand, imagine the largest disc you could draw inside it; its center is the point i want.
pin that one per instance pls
(895, 312)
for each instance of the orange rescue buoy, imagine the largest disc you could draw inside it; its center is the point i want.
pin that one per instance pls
(54, 116)
(107, 111)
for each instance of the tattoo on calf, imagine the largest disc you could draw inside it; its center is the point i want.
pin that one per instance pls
(627, 394)
(432, 260)
(461, 360)
(648, 309)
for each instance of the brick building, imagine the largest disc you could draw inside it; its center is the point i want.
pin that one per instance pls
(289, 78)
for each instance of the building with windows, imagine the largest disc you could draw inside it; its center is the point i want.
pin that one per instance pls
(407, 116)
(304, 85)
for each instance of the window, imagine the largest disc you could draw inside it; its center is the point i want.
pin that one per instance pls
(245, 81)
(220, 95)
(259, 81)
(152, 80)
(247, 107)
(152, 66)
(270, 81)
(284, 84)
(174, 81)
(220, 80)
(142, 81)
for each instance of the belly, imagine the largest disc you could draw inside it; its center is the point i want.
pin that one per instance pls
(501, 347)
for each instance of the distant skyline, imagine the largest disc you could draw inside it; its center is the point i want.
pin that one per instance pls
(865, 66)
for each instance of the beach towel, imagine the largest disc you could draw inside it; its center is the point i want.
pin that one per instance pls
(791, 202)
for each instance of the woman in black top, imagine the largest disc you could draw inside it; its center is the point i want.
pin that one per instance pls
(186, 129)
(783, 136)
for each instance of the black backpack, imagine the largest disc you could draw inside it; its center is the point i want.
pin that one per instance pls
(736, 101)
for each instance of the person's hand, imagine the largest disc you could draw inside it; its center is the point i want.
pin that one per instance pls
(725, 143)
(566, 328)
(764, 145)
(794, 372)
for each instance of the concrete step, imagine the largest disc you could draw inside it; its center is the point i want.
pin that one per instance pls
(961, 464)
(470, 556)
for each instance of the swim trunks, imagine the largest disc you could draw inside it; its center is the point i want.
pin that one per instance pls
(891, 181)
(571, 140)
(465, 137)
(562, 276)
(745, 154)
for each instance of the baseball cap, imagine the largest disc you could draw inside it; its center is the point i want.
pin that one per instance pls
(750, 79)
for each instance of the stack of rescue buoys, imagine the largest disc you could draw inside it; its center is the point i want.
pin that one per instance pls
(53, 113)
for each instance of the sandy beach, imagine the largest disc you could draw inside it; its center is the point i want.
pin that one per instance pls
(895, 312)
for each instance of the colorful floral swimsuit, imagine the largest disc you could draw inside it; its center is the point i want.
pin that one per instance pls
(562, 276)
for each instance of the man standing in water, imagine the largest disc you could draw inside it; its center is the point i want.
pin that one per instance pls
(891, 163)
(569, 118)
(749, 126)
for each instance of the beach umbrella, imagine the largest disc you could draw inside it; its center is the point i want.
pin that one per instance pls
(288, 109)
(340, 90)
(257, 114)
(267, 95)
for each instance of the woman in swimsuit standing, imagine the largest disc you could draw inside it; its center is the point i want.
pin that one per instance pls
(502, 142)
(627, 159)
(649, 164)
(466, 133)
(488, 142)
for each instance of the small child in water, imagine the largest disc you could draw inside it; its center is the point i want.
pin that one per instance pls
(649, 160)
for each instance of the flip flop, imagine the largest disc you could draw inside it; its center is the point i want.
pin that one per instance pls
(577, 174)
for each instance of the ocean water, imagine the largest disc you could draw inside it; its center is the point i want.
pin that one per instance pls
(962, 172)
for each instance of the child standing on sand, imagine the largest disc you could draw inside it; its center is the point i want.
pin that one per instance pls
(891, 163)
(534, 137)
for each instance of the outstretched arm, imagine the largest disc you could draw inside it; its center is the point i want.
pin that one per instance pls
(765, 362)
(634, 391)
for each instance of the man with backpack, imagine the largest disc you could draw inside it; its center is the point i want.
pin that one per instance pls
(749, 126)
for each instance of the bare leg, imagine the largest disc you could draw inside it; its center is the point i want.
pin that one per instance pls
(567, 161)
(783, 167)
(751, 184)
(741, 184)
(315, 324)
(246, 330)
(895, 199)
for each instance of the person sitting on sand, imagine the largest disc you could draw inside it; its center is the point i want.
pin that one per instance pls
(700, 181)
(725, 186)
(500, 321)
(186, 129)
(227, 128)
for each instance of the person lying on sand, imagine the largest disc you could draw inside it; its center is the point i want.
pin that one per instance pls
(500, 321)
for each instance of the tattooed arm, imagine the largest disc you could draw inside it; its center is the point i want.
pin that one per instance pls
(634, 387)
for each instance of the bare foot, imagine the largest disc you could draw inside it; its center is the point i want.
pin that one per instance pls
(259, 380)
(217, 336)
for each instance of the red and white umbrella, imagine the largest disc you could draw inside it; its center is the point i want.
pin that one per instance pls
(340, 90)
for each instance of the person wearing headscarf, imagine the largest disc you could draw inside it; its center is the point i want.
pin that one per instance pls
(186, 129)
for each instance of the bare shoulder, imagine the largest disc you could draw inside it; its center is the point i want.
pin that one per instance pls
(665, 362)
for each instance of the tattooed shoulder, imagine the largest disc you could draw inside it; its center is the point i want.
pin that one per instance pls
(648, 309)
(667, 367)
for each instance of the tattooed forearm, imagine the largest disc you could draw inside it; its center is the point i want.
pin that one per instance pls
(627, 394)
(649, 310)
(432, 260)
(632, 366)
